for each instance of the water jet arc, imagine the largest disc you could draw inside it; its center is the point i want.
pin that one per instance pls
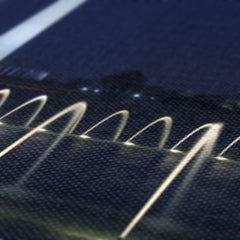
(165, 134)
(121, 126)
(77, 109)
(5, 94)
(205, 146)
(179, 194)
(42, 101)
(228, 147)
(208, 125)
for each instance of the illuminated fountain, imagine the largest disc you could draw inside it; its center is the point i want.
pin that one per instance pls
(5, 94)
(165, 134)
(204, 146)
(220, 155)
(200, 151)
(77, 110)
(179, 194)
(174, 148)
(42, 101)
(120, 128)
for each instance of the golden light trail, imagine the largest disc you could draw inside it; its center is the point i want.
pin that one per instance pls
(42, 101)
(121, 126)
(204, 146)
(164, 136)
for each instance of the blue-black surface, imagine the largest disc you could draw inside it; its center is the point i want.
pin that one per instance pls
(185, 45)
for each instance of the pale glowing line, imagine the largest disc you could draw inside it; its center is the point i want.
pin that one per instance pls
(121, 126)
(35, 25)
(129, 143)
(165, 134)
(77, 109)
(178, 195)
(5, 94)
(42, 101)
(205, 145)
(175, 151)
(221, 158)
(42, 130)
(228, 147)
(84, 137)
(208, 125)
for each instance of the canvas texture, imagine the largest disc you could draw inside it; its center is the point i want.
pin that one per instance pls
(120, 121)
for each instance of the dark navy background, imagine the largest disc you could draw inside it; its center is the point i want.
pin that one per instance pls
(178, 44)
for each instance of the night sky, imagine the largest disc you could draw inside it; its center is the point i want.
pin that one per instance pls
(183, 45)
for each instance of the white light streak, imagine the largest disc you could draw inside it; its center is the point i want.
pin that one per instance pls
(42, 101)
(129, 143)
(121, 126)
(165, 134)
(42, 130)
(205, 145)
(84, 137)
(78, 110)
(35, 25)
(228, 147)
(5, 94)
(173, 149)
(221, 158)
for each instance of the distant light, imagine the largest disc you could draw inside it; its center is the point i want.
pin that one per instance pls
(84, 89)
(84, 136)
(136, 95)
(221, 158)
(1, 123)
(175, 151)
(42, 130)
(129, 144)
(152, 98)
(97, 90)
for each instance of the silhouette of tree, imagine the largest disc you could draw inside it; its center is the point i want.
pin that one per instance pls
(124, 81)
(80, 82)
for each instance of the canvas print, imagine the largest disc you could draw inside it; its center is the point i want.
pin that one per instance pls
(119, 120)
